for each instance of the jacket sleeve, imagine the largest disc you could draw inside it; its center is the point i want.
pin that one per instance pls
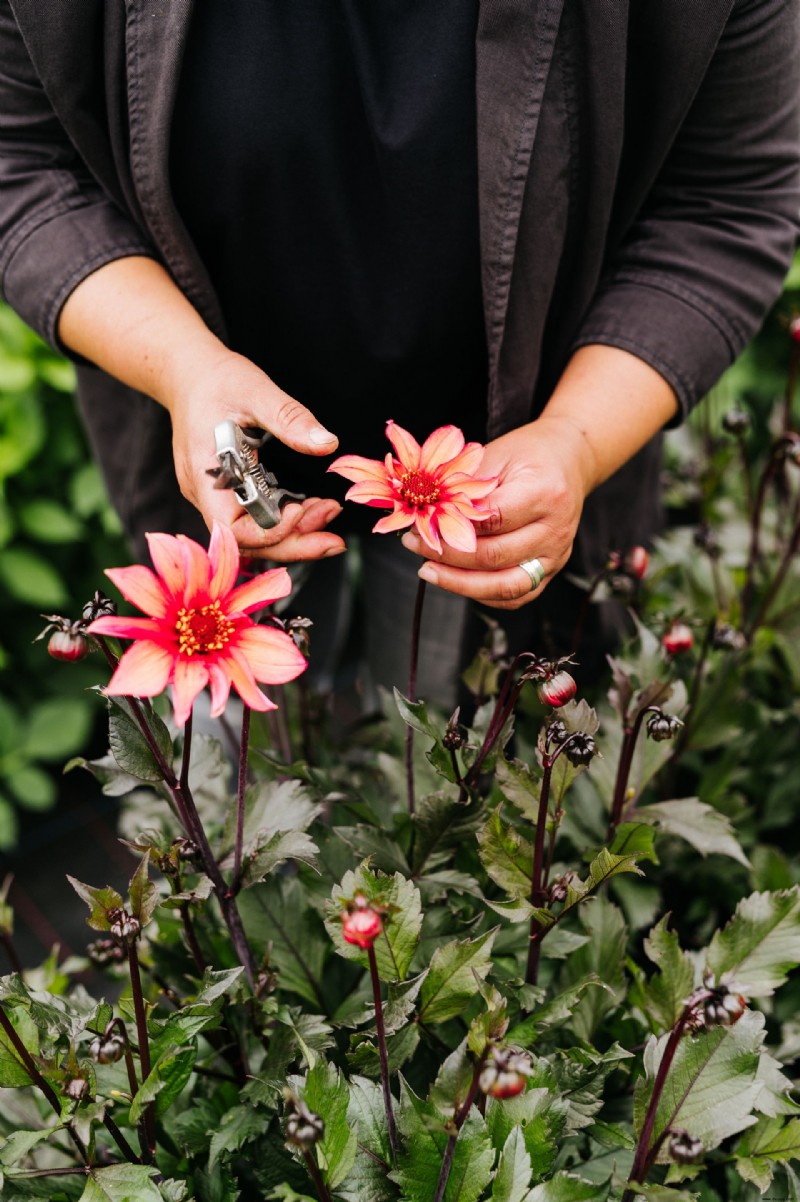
(707, 254)
(57, 225)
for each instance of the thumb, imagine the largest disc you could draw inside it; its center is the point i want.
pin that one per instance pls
(294, 425)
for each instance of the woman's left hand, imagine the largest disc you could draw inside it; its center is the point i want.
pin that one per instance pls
(545, 471)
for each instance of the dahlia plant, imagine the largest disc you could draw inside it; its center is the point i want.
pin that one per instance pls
(564, 975)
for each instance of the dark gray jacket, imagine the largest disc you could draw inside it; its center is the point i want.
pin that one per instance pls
(638, 166)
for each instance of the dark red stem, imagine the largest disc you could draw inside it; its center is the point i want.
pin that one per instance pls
(382, 1052)
(240, 793)
(416, 627)
(459, 1119)
(144, 1045)
(316, 1176)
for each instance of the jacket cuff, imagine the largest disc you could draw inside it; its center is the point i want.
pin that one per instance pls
(672, 329)
(51, 257)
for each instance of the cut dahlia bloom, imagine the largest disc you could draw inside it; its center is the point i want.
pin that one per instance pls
(198, 631)
(432, 487)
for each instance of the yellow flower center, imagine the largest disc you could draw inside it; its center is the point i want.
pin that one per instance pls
(418, 489)
(201, 631)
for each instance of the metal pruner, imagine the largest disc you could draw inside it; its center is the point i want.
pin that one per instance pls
(240, 469)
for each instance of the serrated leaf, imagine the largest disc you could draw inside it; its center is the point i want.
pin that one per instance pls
(165, 1082)
(415, 714)
(129, 746)
(395, 947)
(121, 1183)
(771, 1139)
(513, 1174)
(235, 1129)
(19, 1143)
(540, 1115)
(706, 829)
(99, 901)
(506, 856)
(423, 1149)
(454, 971)
(602, 958)
(567, 1187)
(760, 944)
(327, 1094)
(520, 784)
(276, 850)
(556, 1012)
(366, 1115)
(667, 990)
(712, 1085)
(440, 824)
(143, 892)
(271, 806)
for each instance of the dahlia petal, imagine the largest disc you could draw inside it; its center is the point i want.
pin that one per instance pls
(260, 591)
(223, 554)
(271, 654)
(456, 530)
(368, 493)
(127, 628)
(405, 445)
(426, 527)
(189, 679)
(220, 683)
(143, 671)
(440, 447)
(165, 552)
(470, 486)
(468, 461)
(401, 519)
(357, 468)
(242, 680)
(196, 570)
(142, 588)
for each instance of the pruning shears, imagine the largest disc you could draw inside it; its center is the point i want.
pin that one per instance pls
(240, 469)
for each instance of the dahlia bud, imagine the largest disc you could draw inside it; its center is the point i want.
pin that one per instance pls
(303, 1127)
(728, 638)
(107, 1049)
(505, 1073)
(636, 562)
(685, 1148)
(556, 732)
(561, 886)
(794, 329)
(580, 749)
(677, 639)
(736, 422)
(661, 726)
(68, 645)
(361, 924)
(453, 737)
(125, 927)
(723, 1008)
(186, 849)
(558, 689)
(76, 1088)
(622, 585)
(105, 951)
(100, 606)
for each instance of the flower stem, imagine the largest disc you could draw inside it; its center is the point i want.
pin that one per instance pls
(506, 700)
(11, 952)
(459, 1119)
(316, 1176)
(240, 792)
(144, 1045)
(630, 733)
(382, 1052)
(537, 894)
(755, 528)
(412, 691)
(777, 581)
(133, 1084)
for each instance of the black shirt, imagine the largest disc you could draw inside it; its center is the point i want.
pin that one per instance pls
(324, 161)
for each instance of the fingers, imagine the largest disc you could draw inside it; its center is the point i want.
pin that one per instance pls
(301, 533)
(509, 588)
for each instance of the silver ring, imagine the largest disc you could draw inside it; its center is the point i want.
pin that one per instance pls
(534, 569)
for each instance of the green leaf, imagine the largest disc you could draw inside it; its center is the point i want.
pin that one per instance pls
(415, 714)
(143, 892)
(48, 522)
(276, 849)
(368, 1180)
(566, 1187)
(441, 824)
(270, 807)
(57, 728)
(581, 1074)
(506, 856)
(602, 958)
(19, 1143)
(555, 1013)
(540, 1115)
(165, 1082)
(326, 1093)
(712, 1086)
(771, 1139)
(452, 978)
(121, 1183)
(12, 1073)
(31, 579)
(667, 991)
(635, 838)
(129, 746)
(663, 1193)
(521, 784)
(236, 1128)
(760, 944)
(277, 916)
(32, 788)
(706, 829)
(394, 949)
(513, 1174)
(99, 901)
(423, 1150)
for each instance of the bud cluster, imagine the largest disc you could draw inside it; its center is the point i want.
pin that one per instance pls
(303, 1127)
(68, 640)
(505, 1072)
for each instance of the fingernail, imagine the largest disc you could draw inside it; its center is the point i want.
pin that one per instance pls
(329, 554)
(319, 436)
(428, 572)
(408, 541)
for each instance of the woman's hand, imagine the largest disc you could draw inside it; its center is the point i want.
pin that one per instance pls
(545, 471)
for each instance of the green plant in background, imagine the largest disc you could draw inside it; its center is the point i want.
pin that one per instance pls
(56, 531)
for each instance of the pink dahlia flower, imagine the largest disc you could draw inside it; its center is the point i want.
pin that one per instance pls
(432, 487)
(198, 631)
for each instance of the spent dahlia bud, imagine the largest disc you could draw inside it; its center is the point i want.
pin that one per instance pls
(560, 887)
(100, 606)
(661, 726)
(76, 1088)
(453, 737)
(677, 639)
(723, 1008)
(68, 645)
(125, 927)
(580, 749)
(107, 1048)
(361, 924)
(186, 849)
(684, 1148)
(736, 422)
(622, 585)
(728, 638)
(505, 1073)
(636, 562)
(558, 689)
(105, 951)
(303, 1127)
(556, 732)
